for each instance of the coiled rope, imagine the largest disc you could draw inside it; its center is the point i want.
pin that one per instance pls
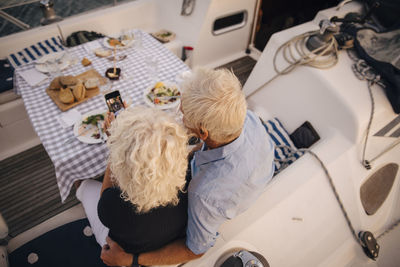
(323, 57)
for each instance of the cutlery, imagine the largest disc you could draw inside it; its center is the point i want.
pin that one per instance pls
(102, 135)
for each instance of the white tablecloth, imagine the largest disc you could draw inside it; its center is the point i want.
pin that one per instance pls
(76, 160)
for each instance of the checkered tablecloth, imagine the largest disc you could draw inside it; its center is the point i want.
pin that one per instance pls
(76, 160)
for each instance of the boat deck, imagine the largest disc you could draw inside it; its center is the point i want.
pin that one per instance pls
(29, 193)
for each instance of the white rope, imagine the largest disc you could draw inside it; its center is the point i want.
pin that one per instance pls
(323, 57)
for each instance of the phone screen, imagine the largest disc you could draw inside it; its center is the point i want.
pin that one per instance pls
(114, 102)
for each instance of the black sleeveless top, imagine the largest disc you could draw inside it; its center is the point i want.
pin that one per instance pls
(137, 233)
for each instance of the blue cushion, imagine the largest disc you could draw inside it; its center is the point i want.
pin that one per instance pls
(6, 75)
(69, 245)
(285, 151)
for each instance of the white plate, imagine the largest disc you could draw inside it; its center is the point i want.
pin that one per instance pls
(87, 138)
(128, 44)
(167, 106)
(41, 62)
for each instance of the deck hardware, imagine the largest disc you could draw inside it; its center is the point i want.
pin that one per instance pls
(369, 244)
(187, 7)
(248, 259)
(49, 15)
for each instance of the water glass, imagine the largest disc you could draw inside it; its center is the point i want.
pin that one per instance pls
(152, 67)
(139, 40)
(106, 88)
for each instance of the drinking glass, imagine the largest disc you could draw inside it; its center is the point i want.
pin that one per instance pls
(106, 88)
(152, 67)
(139, 40)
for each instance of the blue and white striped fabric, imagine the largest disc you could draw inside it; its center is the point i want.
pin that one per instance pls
(285, 151)
(36, 51)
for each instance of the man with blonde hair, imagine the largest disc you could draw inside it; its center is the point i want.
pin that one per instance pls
(229, 172)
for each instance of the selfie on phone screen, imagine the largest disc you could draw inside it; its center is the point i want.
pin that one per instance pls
(114, 102)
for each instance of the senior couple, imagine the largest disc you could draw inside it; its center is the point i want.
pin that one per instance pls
(153, 208)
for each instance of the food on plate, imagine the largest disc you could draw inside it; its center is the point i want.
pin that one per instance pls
(102, 53)
(79, 91)
(123, 40)
(86, 62)
(91, 83)
(55, 83)
(90, 126)
(162, 94)
(114, 42)
(93, 119)
(164, 36)
(66, 96)
(68, 80)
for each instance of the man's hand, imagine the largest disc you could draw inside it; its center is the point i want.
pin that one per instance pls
(113, 255)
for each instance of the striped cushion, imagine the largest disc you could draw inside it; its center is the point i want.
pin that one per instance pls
(285, 151)
(36, 51)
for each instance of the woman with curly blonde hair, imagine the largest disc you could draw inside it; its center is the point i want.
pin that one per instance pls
(143, 204)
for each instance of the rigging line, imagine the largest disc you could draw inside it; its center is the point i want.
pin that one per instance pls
(308, 58)
(394, 225)
(364, 162)
(346, 216)
(395, 143)
(332, 185)
(364, 72)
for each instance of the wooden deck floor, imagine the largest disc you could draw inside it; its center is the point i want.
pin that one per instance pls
(242, 67)
(29, 193)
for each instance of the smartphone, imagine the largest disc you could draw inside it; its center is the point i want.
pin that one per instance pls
(114, 102)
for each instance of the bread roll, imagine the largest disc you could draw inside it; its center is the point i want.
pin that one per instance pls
(66, 96)
(86, 62)
(68, 80)
(79, 91)
(55, 84)
(91, 83)
(102, 53)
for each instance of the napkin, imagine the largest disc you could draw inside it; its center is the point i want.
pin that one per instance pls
(33, 77)
(91, 46)
(68, 118)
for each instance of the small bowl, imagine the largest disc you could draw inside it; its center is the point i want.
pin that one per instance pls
(110, 73)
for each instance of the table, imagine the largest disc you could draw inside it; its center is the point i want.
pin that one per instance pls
(76, 160)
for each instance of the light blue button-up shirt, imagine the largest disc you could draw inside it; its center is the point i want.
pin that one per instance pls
(226, 181)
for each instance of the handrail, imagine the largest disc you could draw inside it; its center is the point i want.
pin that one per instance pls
(21, 3)
(14, 20)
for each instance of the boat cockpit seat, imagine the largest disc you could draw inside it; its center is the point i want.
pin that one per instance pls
(6, 82)
(285, 150)
(20, 58)
(3, 242)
